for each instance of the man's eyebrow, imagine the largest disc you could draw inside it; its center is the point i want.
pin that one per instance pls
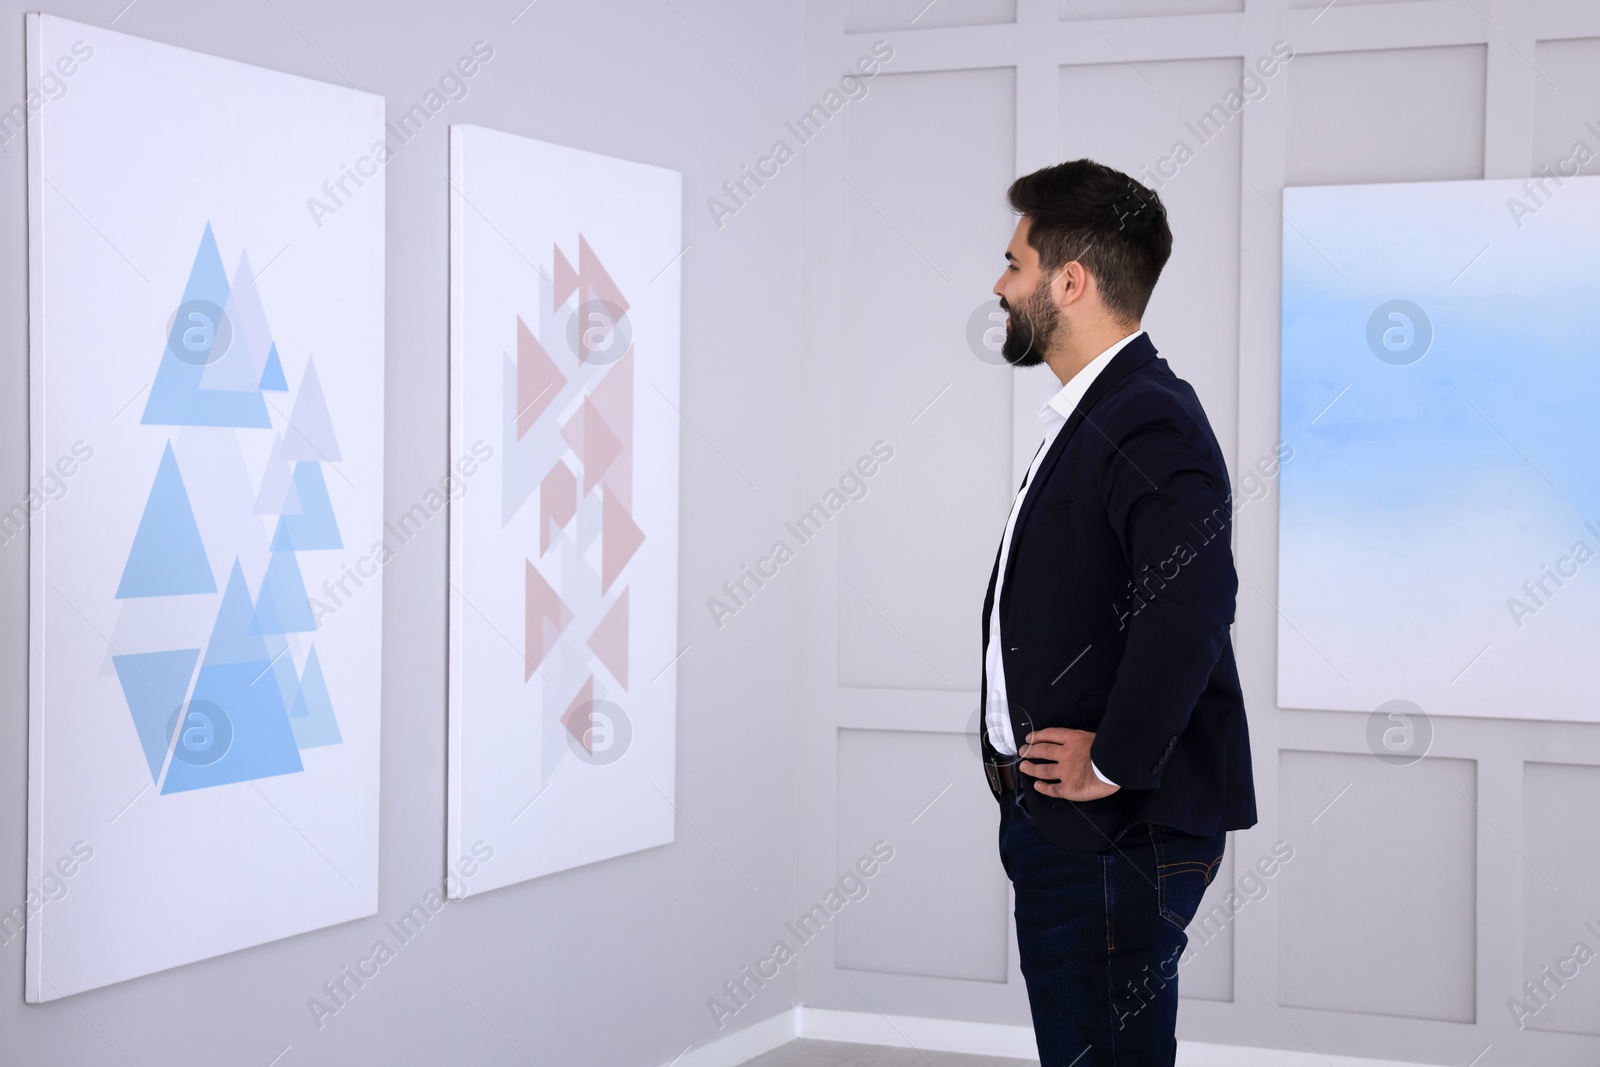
(1010, 256)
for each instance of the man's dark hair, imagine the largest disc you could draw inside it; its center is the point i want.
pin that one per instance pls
(1114, 226)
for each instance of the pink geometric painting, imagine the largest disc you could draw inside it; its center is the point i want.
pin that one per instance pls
(563, 549)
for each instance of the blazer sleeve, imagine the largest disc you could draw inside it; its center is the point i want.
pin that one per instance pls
(1167, 498)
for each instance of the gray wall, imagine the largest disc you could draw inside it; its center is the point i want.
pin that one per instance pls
(607, 964)
(1418, 898)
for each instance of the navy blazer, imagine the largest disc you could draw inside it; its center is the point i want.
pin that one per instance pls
(1117, 602)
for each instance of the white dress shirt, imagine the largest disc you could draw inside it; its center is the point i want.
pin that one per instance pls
(1053, 415)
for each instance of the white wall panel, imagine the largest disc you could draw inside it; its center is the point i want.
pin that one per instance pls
(1567, 106)
(1319, 5)
(1380, 903)
(1085, 10)
(864, 16)
(921, 916)
(927, 161)
(1560, 905)
(1398, 115)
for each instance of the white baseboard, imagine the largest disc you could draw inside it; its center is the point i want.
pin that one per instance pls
(901, 1031)
(1195, 1054)
(948, 1035)
(743, 1045)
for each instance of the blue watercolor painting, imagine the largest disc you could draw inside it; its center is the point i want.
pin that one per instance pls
(1439, 523)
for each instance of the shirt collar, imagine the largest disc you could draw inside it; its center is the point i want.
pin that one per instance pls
(1061, 405)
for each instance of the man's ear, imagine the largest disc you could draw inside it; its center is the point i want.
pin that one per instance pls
(1072, 283)
(1066, 285)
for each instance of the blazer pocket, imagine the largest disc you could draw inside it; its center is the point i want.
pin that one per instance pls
(1045, 507)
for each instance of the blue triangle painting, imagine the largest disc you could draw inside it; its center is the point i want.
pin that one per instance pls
(237, 709)
(315, 526)
(155, 685)
(283, 606)
(272, 375)
(235, 728)
(176, 398)
(312, 715)
(167, 558)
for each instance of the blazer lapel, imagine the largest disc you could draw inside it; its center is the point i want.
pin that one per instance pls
(1135, 354)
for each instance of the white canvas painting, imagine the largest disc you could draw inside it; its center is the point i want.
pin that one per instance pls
(207, 453)
(563, 538)
(1439, 536)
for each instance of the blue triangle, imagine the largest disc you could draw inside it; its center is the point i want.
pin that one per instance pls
(247, 722)
(282, 666)
(176, 398)
(312, 715)
(238, 700)
(315, 526)
(167, 558)
(232, 638)
(272, 375)
(155, 684)
(282, 606)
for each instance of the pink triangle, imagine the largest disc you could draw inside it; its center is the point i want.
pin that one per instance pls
(613, 400)
(572, 431)
(558, 502)
(600, 446)
(566, 279)
(544, 617)
(620, 539)
(539, 380)
(581, 726)
(618, 480)
(610, 640)
(596, 282)
(552, 634)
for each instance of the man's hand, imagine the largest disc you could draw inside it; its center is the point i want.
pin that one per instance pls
(1059, 757)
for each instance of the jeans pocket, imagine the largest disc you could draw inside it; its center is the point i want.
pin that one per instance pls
(1185, 866)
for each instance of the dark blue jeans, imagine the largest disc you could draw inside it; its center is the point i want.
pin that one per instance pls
(1099, 936)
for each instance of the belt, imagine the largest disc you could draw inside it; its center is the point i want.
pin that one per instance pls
(1005, 777)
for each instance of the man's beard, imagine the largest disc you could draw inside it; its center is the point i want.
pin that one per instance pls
(1031, 327)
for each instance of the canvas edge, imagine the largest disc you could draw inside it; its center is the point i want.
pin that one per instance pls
(381, 314)
(454, 666)
(33, 974)
(674, 179)
(1278, 628)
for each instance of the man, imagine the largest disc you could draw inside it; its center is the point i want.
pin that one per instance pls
(1109, 678)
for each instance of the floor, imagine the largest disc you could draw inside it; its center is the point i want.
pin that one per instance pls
(809, 1052)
